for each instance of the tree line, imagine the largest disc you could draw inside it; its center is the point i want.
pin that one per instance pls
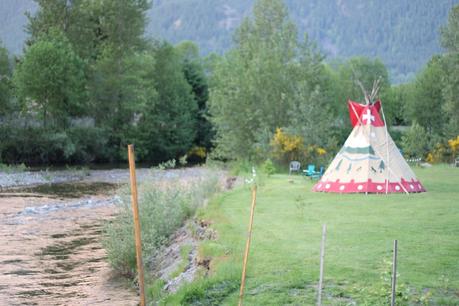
(89, 82)
(273, 86)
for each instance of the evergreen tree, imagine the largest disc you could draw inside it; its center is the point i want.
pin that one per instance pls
(168, 128)
(193, 68)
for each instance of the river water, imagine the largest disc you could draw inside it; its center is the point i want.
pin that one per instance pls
(51, 250)
(51, 231)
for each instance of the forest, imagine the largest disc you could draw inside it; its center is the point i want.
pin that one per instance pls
(402, 33)
(89, 82)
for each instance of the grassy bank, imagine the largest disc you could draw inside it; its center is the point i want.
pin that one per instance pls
(164, 206)
(284, 259)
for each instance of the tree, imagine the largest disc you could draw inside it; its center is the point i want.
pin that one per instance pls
(50, 79)
(427, 106)
(364, 70)
(449, 33)
(450, 93)
(269, 80)
(5, 81)
(193, 68)
(91, 26)
(120, 92)
(395, 100)
(450, 41)
(167, 128)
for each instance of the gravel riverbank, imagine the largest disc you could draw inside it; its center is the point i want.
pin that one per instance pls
(114, 176)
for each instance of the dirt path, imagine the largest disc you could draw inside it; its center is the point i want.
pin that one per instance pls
(51, 253)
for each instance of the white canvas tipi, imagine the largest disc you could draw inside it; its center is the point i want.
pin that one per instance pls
(369, 161)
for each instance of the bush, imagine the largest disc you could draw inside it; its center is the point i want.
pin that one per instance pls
(34, 145)
(268, 167)
(439, 154)
(12, 168)
(287, 147)
(162, 211)
(197, 154)
(170, 164)
(454, 146)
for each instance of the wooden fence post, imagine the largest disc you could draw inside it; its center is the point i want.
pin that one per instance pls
(394, 274)
(247, 245)
(322, 255)
(135, 210)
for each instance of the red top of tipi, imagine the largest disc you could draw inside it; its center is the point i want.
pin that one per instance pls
(365, 114)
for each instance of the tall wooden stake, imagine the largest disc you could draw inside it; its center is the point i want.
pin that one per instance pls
(247, 245)
(135, 209)
(322, 255)
(394, 274)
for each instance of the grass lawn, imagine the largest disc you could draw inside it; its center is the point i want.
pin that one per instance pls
(284, 258)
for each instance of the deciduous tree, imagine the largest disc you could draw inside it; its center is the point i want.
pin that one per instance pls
(5, 81)
(269, 80)
(50, 79)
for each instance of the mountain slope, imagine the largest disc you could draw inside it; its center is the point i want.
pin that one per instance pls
(403, 33)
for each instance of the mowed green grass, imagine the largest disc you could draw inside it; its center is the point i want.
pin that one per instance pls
(283, 264)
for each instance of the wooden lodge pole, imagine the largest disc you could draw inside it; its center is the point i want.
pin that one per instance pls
(394, 275)
(322, 255)
(135, 209)
(247, 245)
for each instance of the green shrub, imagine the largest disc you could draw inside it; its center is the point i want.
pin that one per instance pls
(170, 164)
(12, 168)
(268, 167)
(415, 142)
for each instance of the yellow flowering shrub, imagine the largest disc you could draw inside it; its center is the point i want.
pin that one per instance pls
(321, 151)
(454, 146)
(198, 152)
(286, 147)
(430, 158)
(440, 153)
(443, 152)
